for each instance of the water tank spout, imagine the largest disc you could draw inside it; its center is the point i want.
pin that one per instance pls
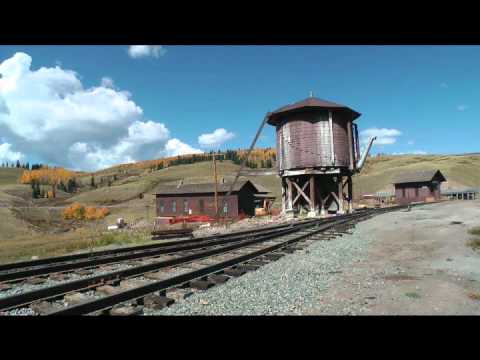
(361, 162)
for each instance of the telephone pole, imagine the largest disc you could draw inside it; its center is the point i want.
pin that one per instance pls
(216, 184)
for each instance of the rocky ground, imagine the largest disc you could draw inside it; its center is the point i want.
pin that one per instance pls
(415, 262)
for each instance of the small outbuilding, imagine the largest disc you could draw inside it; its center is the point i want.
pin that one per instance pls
(199, 199)
(461, 194)
(418, 186)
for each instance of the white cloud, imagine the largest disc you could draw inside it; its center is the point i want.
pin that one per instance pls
(415, 152)
(6, 154)
(462, 107)
(139, 51)
(107, 82)
(444, 85)
(384, 136)
(48, 114)
(215, 139)
(411, 142)
(175, 147)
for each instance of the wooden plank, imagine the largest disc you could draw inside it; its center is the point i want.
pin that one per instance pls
(350, 143)
(340, 195)
(301, 193)
(289, 194)
(312, 193)
(335, 197)
(330, 124)
(350, 194)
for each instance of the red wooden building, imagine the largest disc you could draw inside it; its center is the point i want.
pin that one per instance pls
(418, 186)
(199, 199)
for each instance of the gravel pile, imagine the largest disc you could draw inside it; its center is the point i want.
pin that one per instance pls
(245, 224)
(292, 285)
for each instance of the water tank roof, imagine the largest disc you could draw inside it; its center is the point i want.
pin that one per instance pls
(308, 103)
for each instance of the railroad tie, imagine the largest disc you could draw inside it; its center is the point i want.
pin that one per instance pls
(234, 272)
(218, 279)
(155, 302)
(201, 284)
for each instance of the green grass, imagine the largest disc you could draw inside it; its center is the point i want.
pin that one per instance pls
(413, 295)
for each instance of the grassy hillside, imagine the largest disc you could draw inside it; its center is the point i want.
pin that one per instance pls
(378, 173)
(40, 231)
(9, 176)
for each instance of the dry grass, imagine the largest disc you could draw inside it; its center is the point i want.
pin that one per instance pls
(10, 176)
(474, 242)
(46, 245)
(475, 231)
(379, 172)
(474, 296)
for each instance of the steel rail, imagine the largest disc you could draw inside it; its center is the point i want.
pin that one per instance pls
(24, 299)
(72, 257)
(91, 261)
(54, 292)
(132, 294)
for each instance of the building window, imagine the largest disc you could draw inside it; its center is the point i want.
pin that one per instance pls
(225, 207)
(185, 206)
(162, 206)
(174, 206)
(201, 205)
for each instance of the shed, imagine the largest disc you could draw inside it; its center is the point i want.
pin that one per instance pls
(418, 186)
(199, 199)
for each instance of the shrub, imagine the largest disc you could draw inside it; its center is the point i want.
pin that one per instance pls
(80, 212)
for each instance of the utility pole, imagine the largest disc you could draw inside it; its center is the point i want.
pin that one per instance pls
(216, 184)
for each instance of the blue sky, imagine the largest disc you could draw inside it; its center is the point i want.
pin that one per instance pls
(423, 97)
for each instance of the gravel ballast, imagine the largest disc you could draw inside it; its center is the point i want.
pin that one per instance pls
(289, 286)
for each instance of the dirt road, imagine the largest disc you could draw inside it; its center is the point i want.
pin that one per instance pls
(417, 264)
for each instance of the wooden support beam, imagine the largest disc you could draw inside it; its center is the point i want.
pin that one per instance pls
(326, 199)
(341, 210)
(301, 193)
(312, 193)
(350, 194)
(289, 194)
(335, 197)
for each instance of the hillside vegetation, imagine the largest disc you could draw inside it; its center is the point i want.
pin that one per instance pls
(378, 172)
(29, 227)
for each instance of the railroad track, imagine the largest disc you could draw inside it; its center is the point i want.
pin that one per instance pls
(15, 272)
(162, 273)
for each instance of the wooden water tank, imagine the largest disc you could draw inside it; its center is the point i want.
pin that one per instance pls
(315, 133)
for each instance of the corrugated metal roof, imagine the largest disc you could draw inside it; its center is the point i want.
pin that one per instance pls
(311, 102)
(200, 188)
(418, 176)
